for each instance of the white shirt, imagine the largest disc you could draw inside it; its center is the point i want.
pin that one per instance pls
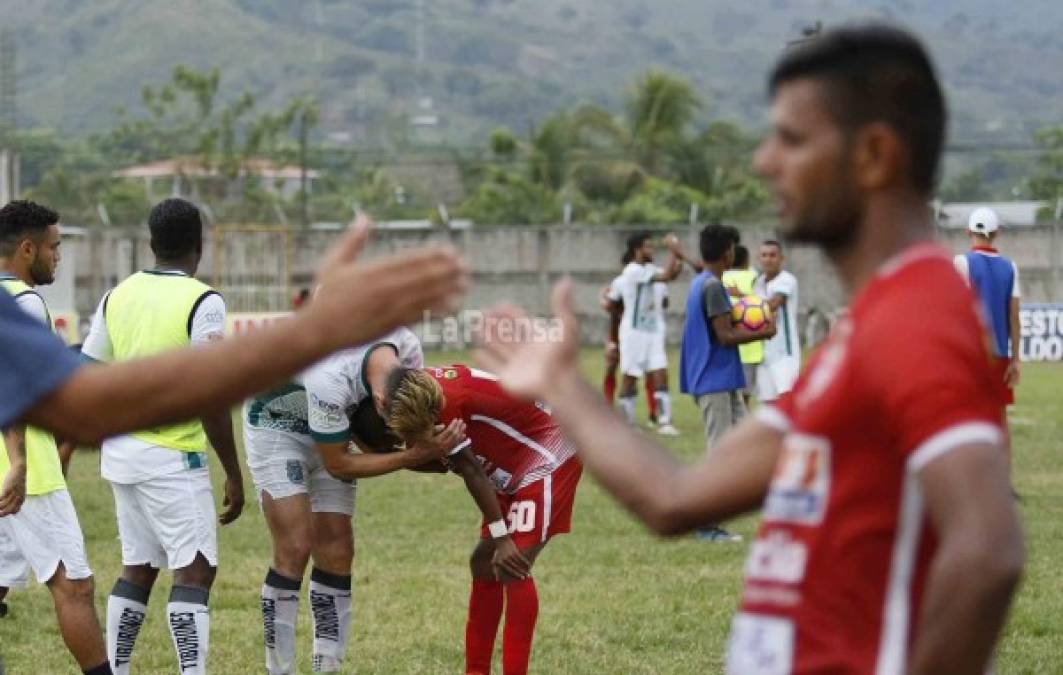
(960, 262)
(125, 459)
(660, 295)
(33, 304)
(336, 385)
(785, 344)
(635, 288)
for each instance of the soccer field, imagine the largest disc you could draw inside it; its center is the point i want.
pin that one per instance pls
(613, 598)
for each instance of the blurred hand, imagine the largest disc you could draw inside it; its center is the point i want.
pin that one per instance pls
(508, 560)
(528, 364)
(357, 302)
(233, 500)
(1011, 375)
(671, 242)
(13, 490)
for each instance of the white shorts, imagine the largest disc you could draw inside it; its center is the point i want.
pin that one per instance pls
(775, 378)
(285, 464)
(642, 352)
(44, 533)
(165, 521)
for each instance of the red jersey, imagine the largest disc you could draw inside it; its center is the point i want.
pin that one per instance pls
(834, 580)
(517, 442)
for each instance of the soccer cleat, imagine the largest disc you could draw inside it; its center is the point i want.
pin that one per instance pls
(3, 609)
(667, 430)
(718, 535)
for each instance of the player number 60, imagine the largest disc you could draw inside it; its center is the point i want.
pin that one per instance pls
(521, 517)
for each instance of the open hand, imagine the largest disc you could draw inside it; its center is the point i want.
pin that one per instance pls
(356, 302)
(509, 561)
(528, 363)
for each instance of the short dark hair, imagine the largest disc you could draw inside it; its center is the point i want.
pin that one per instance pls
(714, 241)
(636, 240)
(772, 242)
(176, 229)
(741, 256)
(20, 219)
(876, 73)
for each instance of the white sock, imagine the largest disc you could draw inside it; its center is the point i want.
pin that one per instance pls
(664, 407)
(280, 611)
(330, 609)
(189, 620)
(627, 407)
(126, 607)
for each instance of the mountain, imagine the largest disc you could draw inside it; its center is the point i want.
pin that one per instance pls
(472, 65)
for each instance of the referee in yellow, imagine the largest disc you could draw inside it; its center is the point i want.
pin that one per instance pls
(739, 282)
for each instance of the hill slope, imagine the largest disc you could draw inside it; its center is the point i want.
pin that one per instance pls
(491, 62)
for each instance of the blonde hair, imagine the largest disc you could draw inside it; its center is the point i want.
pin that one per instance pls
(414, 400)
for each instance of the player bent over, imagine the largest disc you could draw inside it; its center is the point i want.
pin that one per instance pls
(309, 511)
(534, 472)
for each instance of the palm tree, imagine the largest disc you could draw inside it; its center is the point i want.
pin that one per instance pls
(660, 109)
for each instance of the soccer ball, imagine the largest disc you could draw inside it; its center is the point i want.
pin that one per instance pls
(751, 311)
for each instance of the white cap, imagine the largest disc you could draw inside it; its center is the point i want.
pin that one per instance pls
(983, 220)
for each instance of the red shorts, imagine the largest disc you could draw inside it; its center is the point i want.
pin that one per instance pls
(1000, 369)
(541, 509)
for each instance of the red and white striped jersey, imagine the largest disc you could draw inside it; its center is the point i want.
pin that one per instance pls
(517, 442)
(834, 580)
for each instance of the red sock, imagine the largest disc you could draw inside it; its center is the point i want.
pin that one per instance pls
(651, 400)
(610, 386)
(522, 609)
(485, 610)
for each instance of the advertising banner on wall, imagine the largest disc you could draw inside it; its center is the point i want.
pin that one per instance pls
(1042, 331)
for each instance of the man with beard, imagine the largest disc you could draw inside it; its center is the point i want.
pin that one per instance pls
(39, 527)
(889, 542)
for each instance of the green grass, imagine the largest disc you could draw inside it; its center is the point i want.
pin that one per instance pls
(613, 598)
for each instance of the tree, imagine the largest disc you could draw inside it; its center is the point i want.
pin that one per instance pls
(1047, 181)
(506, 197)
(660, 109)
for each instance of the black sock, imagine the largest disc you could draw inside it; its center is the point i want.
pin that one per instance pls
(102, 669)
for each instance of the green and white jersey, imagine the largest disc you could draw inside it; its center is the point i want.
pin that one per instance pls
(321, 398)
(785, 344)
(635, 288)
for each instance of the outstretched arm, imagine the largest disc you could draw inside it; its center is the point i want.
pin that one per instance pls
(348, 466)
(666, 495)
(354, 304)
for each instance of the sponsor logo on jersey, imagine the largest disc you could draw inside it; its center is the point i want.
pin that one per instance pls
(801, 484)
(761, 645)
(295, 471)
(500, 478)
(777, 557)
(323, 414)
(450, 374)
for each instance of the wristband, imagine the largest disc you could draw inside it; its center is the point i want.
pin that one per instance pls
(498, 529)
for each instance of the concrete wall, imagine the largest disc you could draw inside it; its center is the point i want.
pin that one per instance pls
(260, 269)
